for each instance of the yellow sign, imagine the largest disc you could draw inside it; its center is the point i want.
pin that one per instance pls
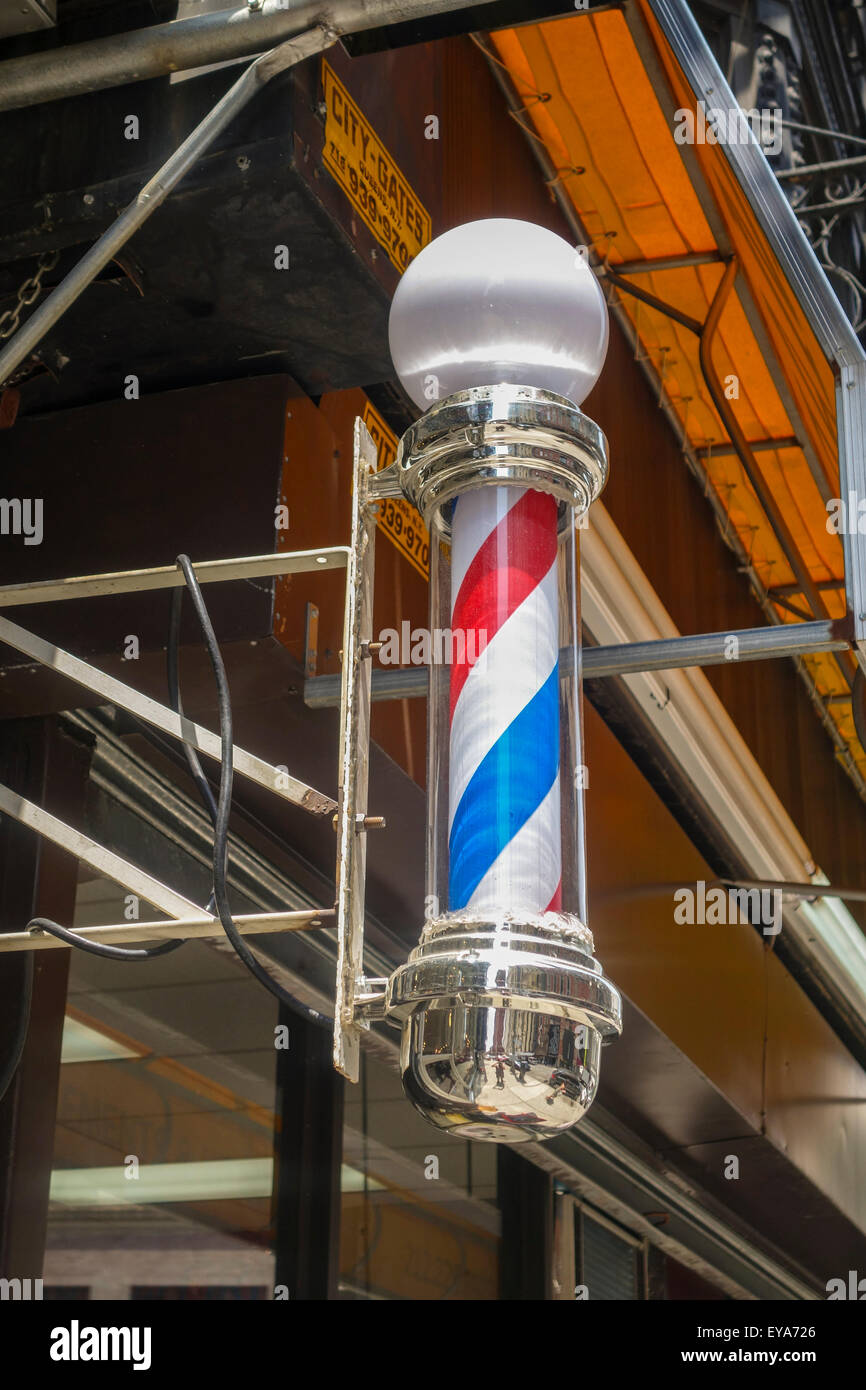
(369, 177)
(397, 517)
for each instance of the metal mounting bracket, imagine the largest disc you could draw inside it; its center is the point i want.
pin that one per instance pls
(355, 701)
(185, 919)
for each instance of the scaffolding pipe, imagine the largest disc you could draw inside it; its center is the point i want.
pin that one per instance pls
(189, 43)
(175, 929)
(167, 48)
(328, 557)
(155, 191)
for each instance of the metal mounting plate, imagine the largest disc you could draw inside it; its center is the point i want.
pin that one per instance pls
(355, 701)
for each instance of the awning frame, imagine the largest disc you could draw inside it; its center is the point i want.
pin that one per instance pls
(649, 23)
(806, 277)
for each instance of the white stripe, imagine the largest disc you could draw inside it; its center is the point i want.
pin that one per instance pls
(510, 671)
(525, 876)
(476, 515)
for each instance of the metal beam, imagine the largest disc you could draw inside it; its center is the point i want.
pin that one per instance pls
(757, 446)
(42, 762)
(354, 759)
(761, 186)
(805, 275)
(693, 325)
(299, 33)
(170, 577)
(830, 166)
(851, 425)
(405, 683)
(156, 190)
(715, 648)
(96, 855)
(761, 488)
(836, 206)
(821, 130)
(189, 43)
(525, 1199)
(628, 658)
(115, 692)
(824, 586)
(807, 892)
(308, 1160)
(706, 333)
(662, 263)
(187, 928)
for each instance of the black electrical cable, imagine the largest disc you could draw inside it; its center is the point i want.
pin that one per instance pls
(172, 655)
(100, 948)
(22, 1023)
(221, 826)
(219, 812)
(172, 658)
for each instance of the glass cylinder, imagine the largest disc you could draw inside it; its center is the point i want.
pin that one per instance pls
(505, 771)
(502, 1004)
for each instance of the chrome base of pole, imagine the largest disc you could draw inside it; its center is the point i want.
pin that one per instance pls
(502, 1024)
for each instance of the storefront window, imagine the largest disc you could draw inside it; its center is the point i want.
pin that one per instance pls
(419, 1214)
(163, 1160)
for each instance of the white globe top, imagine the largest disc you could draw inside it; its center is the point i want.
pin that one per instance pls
(498, 301)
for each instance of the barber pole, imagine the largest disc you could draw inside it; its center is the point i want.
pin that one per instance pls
(502, 1006)
(504, 823)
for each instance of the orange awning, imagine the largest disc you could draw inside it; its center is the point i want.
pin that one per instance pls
(600, 92)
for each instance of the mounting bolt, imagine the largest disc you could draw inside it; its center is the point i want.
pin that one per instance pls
(362, 822)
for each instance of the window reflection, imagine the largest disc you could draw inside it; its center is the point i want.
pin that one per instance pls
(163, 1159)
(419, 1214)
(164, 1147)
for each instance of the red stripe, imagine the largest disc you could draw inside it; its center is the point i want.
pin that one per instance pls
(555, 904)
(513, 560)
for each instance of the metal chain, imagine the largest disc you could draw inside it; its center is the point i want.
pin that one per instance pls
(28, 293)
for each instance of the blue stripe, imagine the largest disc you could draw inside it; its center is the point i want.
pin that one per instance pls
(509, 784)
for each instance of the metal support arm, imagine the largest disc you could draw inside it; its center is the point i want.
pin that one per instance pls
(187, 919)
(630, 658)
(170, 577)
(354, 700)
(183, 928)
(161, 717)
